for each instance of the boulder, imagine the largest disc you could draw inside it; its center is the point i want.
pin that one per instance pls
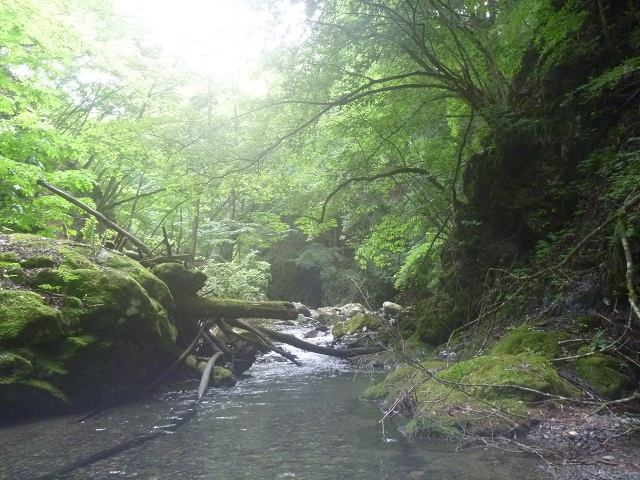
(391, 309)
(360, 323)
(328, 315)
(302, 309)
(351, 309)
(79, 325)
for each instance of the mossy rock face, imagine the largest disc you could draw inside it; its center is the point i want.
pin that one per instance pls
(23, 398)
(9, 257)
(507, 372)
(26, 320)
(154, 287)
(527, 339)
(358, 323)
(98, 330)
(14, 364)
(602, 374)
(182, 282)
(38, 261)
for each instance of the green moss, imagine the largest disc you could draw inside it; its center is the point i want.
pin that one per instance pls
(587, 322)
(38, 261)
(111, 331)
(435, 320)
(39, 392)
(164, 326)
(527, 339)
(478, 396)
(25, 319)
(67, 350)
(12, 363)
(73, 313)
(112, 296)
(223, 377)
(48, 388)
(401, 379)
(182, 282)
(155, 287)
(502, 370)
(17, 275)
(602, 374)
(9, 257)
(356, 324)
(77, 256)
(440, 426)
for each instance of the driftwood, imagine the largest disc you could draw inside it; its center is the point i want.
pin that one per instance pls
(310, 347)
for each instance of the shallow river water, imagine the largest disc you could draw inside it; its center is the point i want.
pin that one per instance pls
(280, 422)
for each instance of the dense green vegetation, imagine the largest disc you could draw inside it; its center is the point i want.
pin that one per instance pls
(479, 160)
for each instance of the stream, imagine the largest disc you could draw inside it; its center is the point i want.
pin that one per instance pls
(279, 422)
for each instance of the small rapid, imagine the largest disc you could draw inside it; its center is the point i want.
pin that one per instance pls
(281, 421)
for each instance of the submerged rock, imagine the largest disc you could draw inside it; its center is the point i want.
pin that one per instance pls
(79, 326)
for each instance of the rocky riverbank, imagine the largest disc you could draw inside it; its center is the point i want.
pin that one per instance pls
(511, 397)
(580, 444)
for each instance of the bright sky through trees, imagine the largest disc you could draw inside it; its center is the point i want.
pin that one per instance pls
(221, 38)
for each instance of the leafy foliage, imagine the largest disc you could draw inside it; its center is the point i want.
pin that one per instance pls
(246, 279)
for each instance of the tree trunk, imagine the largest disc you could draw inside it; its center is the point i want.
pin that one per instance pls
(194, 228)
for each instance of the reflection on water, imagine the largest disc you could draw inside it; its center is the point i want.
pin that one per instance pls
(281, 422)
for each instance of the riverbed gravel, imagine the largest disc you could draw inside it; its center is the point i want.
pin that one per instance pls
(581, 444)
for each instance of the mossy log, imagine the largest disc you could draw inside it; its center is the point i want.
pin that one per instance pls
(226, 308)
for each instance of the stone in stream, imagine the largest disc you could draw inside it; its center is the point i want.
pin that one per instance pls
(302, 309)
(352, 309)
(391, 309)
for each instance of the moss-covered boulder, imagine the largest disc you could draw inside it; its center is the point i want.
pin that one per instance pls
(604, 375)
(359, 323)
(182, 281)
(220, 376)
(486, 395)
(527, 338)
(79, 325)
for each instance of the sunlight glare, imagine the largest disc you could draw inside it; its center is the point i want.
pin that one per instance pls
(217, 38)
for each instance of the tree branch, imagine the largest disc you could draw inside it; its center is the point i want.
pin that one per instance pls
(387, 174)
(135, 197)
(94, 213)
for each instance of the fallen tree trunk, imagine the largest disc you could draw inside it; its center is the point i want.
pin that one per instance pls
(310, 347)
(225, 308)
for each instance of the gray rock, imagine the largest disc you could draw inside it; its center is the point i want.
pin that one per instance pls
(390, 308)
(302, 309)
(352, 309)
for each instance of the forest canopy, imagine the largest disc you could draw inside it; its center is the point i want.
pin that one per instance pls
(368, 147)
